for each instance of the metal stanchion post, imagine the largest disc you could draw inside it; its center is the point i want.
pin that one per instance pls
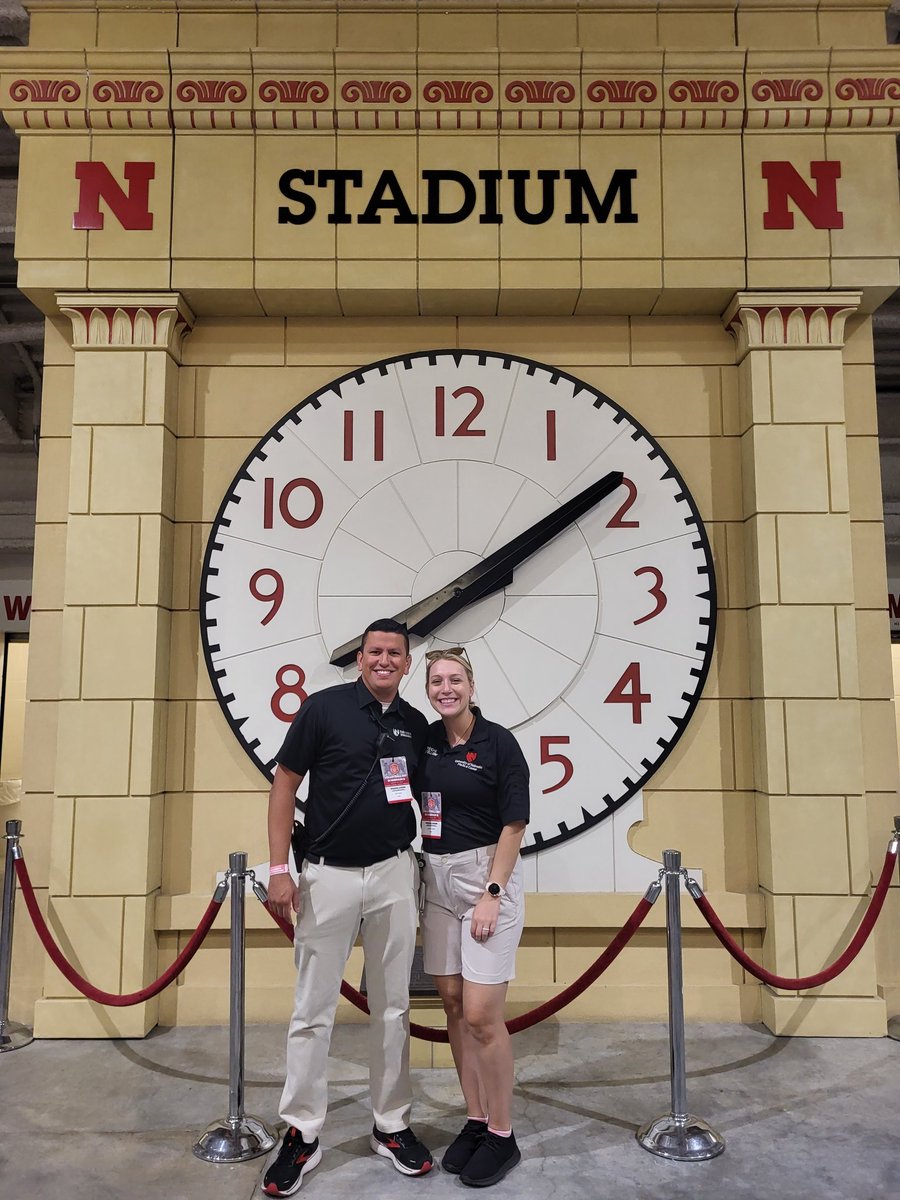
(12, 1034)
(237, 1137)
(893, 1027)
(677, 1134)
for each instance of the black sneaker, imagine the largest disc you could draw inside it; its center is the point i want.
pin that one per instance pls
(294, 1159)
(408, 1154)
(494, 1157)
(463, 1146)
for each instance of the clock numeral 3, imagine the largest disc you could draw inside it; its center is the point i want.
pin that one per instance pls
(617, 520)
(276, 596)
(656, 592)
(464, 428)
(284, 505)
(377, 435)
(628, 691)
(548, 757)
(287, 688)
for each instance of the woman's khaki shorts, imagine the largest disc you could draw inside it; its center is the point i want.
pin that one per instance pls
(453, 885)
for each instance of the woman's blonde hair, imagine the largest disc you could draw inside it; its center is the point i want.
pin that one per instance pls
(455, 654)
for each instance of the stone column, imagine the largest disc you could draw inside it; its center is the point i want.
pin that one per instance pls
(808, 722)
(107, 827)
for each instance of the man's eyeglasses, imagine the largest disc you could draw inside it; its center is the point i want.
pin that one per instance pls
(434, 655)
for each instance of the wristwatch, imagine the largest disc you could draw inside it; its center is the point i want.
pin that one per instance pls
(494, 890)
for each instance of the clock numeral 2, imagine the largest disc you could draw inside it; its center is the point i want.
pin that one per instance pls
(287, 688)
(284, 497)
(548, 757)
(464, 428)
(628, 691)
(617, 520)
(656, 592)
(377, 435)
(276, 596)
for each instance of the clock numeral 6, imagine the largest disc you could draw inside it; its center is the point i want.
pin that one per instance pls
(617, 520)
(276, 595)
(628, 691)
(284, 503)
(656, 592)
(547, 756)
(287, 687)
(464, 428)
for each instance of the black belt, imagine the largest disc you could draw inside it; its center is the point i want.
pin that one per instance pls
(317, 859)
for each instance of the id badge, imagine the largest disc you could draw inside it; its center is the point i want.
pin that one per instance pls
(395, 774)
(431, 814)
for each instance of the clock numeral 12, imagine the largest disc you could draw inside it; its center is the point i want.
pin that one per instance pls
(628, 691)
(288, 688)
(464, 428)
(547, 756)
(276, 595)
(284, 498)
(377, 435)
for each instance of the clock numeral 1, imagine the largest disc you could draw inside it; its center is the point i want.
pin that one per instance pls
(628, 691)
(548, 757)
(377, 435)
(656, 592)
(276, 595)
(318, 503)
(464, 428)
(287, 688)
(617, 520)
(551, 435)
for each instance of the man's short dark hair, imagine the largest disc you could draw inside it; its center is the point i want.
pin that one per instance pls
(386, 625)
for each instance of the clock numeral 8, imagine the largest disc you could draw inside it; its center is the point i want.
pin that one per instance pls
(464, 428)
(287, 688)
(284, 498)
(566, 763)
(617, 520)
(628, 691)
(276, 596)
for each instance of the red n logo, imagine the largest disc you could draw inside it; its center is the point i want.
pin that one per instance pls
(786, 183)
(131, 208)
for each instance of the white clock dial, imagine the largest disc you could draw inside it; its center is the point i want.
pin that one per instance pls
(383, 487)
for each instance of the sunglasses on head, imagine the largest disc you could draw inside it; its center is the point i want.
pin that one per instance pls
(434, 655)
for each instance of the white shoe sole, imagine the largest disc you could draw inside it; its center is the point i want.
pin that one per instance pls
(385, 1153)
(307, 1166)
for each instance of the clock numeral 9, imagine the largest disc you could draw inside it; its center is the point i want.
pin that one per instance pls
(276, 595)
(628, 691)
(656, 592)
(377, 435)
(617, 520)
(548, 757)
(288, 688)
(284, 503)
(464, 428)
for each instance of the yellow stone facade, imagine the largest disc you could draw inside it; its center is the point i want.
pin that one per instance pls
(743, 346)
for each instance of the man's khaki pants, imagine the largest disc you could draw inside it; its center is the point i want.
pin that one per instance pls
(335, 902)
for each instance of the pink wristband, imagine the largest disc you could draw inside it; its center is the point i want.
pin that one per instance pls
(280, 869)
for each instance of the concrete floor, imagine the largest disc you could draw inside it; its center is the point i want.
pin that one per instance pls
(803, 1119)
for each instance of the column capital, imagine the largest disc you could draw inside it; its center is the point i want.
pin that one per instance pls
(789, 320)
(127, 320)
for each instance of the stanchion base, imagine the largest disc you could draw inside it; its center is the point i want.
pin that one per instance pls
(232, 1141)
(13, 1036)
(893, 1028)
(685, 1139)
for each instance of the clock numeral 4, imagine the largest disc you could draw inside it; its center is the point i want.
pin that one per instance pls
(628, 691)
(284, 503)
(276, 595)
(288, 687)
(377, 435)
(656, 592)
(464, 428)
(617, 520)
(547, 756)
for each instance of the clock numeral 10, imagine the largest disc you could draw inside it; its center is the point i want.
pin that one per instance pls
(377, 435)
(464, 428)
(628, 691)
(284, 503)
(547, 756)
(276, 595)
(288, 687)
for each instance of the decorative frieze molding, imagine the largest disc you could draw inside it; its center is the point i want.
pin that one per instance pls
(127, 320)
(789, 320)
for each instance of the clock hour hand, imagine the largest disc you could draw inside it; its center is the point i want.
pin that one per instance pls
(494, 572)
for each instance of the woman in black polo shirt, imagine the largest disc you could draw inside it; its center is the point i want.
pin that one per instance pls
(474, 811)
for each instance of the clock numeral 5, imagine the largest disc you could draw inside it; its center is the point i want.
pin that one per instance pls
(617, 520)
(566, 763)
(628, 691)
(377, 435)
(287, 688)
(284, 503)
(656, 592)
(464, 428)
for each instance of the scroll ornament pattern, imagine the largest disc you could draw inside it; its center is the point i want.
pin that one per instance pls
(787, 90)
(540, 91)
(45, 91)
(704, 91)
(376, 91)
(457, 91)
(621, 91)
(211, 91)
(294, 91)
(128, 91)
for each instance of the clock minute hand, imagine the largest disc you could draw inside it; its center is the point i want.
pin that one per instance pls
(494, 572)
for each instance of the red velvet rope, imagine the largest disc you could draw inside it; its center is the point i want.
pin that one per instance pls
(428, 1034)
(840, 964)
(78, 981)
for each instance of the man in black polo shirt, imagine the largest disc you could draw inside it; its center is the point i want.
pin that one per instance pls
(361, 746)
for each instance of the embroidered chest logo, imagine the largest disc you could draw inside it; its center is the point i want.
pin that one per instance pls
(471, 756)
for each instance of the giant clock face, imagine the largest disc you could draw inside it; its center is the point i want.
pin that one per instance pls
(378, 490)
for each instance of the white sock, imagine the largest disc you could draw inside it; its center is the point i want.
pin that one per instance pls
(500, 1132)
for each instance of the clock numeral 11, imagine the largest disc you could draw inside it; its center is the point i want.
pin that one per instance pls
(284, 503)
(377, 435)
(628, 691)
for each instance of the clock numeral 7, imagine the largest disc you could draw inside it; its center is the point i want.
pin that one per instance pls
(288, 687)
(548, 757)
(628, 691)
(276, 595)
(284, 503)
(464, 428)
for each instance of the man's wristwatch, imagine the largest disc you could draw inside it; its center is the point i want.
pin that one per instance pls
(494, 890)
